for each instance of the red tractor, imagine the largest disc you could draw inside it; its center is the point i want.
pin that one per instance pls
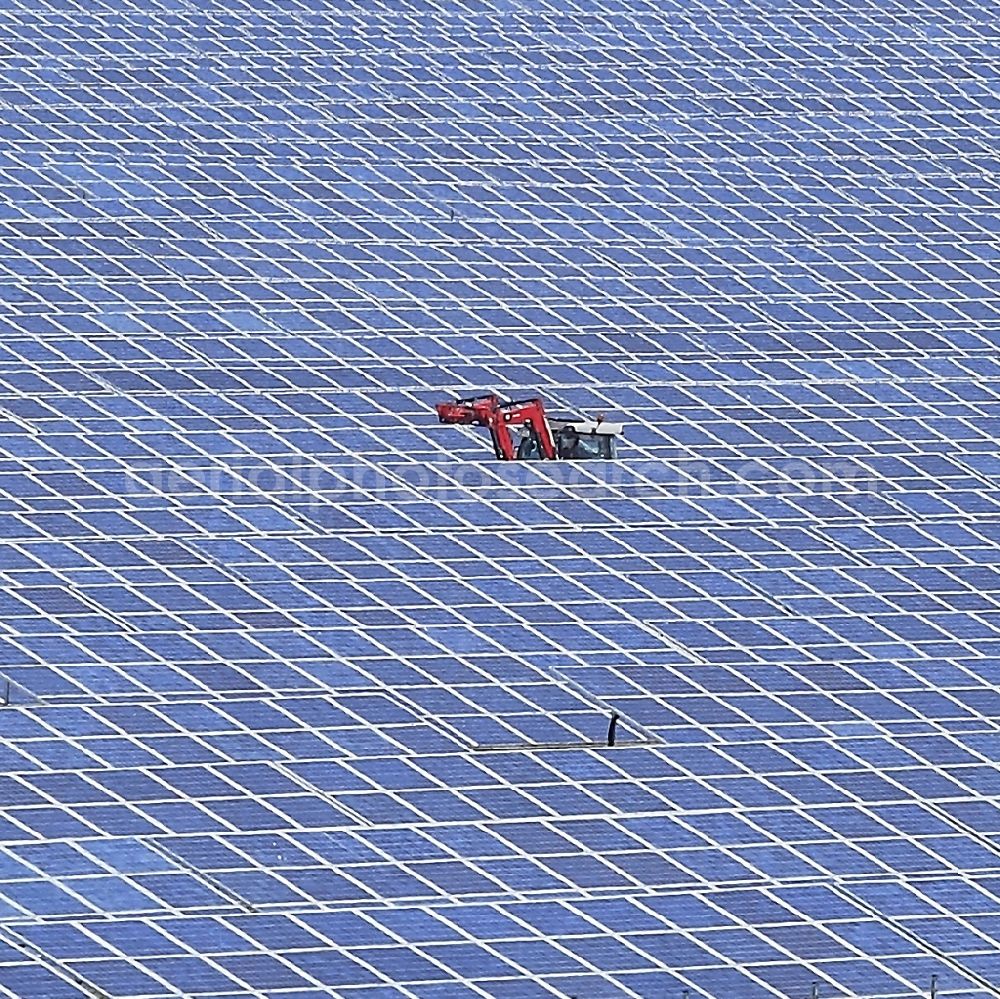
(538, 438)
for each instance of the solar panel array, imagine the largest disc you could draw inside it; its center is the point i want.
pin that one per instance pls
(309, 696)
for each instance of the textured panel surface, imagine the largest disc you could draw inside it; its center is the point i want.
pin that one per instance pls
(308, 695)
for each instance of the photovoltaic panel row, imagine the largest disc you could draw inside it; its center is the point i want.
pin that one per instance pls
(310, 695)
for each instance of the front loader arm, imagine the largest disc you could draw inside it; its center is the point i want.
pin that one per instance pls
(498, 416)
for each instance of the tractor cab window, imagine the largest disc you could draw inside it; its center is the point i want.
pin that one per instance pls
(567, 442)
(529, 448)
(574, 446)
(595, 446)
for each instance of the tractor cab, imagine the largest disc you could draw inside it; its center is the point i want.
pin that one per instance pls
(537, 437)
(581, 440)
(573, 440)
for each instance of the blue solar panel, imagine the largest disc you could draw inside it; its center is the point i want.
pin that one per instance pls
(310, 695)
